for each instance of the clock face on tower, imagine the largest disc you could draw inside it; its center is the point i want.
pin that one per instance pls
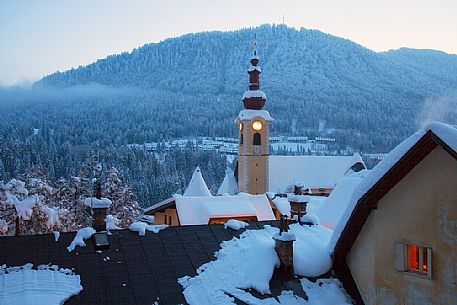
(256, 150)
(257, 125)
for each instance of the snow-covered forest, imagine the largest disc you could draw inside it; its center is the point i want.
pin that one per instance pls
(192, 86)
(32, 205)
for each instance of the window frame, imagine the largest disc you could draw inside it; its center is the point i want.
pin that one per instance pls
(403, 262)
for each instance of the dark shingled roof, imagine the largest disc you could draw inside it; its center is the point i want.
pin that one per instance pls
(140, 270)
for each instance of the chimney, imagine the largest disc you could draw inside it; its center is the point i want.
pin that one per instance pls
(99, 207)
(298, 201)
(284, 246)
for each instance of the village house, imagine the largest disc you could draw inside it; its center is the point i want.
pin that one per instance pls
(397, 241)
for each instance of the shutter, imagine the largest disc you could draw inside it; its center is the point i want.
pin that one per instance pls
(429, 262)
(400, 257)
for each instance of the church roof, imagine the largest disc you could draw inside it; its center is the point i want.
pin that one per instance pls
(314, 171)
(197, 185)
(199, 210)
(249, 114)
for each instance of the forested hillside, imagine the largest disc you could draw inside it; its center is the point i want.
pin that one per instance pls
(308, 76)
(192, 86)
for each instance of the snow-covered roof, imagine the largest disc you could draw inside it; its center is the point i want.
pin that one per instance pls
(314, 171)
(197, 185)
(447, 133)
(229, 185)
(252, 68)
(163, 204)
(248, 262)
(199, 210)
(250, 114)
(46, 284)
(254, 93)
(331, 211)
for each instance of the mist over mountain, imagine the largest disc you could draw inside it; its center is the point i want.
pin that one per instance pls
(192, 85)
(373, 98)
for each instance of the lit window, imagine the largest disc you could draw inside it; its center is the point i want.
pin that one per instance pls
(413, 259)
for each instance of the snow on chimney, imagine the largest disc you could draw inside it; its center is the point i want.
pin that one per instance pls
(99, 207)
(284, 246)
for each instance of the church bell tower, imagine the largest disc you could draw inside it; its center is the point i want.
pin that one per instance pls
(253, 136)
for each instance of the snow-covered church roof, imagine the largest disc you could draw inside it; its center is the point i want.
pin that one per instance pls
(250, 114)
(199, 210)
(197, 185)
(314, 171)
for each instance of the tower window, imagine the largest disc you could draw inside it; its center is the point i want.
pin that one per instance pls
(257, 140)
(241, 139)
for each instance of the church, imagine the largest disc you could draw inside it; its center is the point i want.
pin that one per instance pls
(243, 191)
(257, 172)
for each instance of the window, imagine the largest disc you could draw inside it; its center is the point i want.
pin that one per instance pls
(256, 140)
(241, 139)
(413, 259)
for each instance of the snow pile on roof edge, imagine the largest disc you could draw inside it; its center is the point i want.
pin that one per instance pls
(142, 227)
(81, 235)
(48, 285)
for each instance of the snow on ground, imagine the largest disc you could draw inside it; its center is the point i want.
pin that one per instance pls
(142, 227)
(248, 262)
(81, 235)
(48, 285)
(235, 224)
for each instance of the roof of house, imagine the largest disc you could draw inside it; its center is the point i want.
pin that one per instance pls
(334, 206)
(197, 185)
(314, 171)
(199, 210)
(140, 269)
(378, 182)
(169, 202)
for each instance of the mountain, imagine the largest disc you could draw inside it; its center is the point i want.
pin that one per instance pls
(192, 86)
(370, 100)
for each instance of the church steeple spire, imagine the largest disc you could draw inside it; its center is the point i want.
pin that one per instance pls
(254, 98)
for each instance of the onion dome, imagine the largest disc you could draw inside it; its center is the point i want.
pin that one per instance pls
(254, 98)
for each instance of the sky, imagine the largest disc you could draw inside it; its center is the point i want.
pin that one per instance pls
(40, 37)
